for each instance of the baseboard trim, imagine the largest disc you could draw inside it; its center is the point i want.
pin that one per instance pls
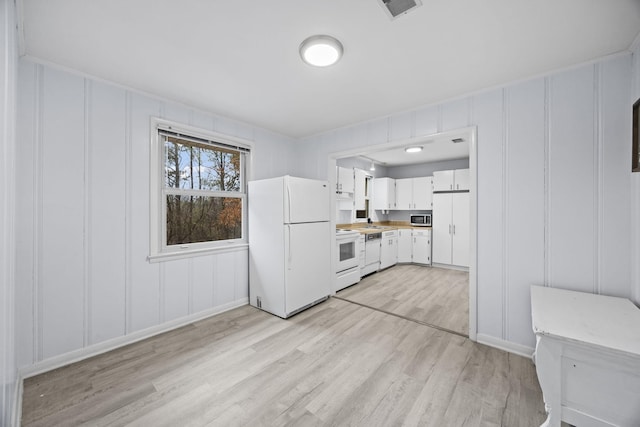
(16, 417)
(511, 347)
(450, 267)
(112, 344)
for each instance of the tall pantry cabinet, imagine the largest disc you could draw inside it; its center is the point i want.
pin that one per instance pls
(451, 217)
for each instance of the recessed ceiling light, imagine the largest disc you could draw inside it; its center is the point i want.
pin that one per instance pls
(413, 149)
(321, 50)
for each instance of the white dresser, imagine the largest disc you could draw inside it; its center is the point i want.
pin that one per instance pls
(587, 357)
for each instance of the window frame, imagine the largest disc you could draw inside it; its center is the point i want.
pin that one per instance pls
(158, 248)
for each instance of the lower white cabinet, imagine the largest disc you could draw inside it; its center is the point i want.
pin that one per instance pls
(405, 245)
(389, 249)
(451, 228)
(414, 245)
(421, 246)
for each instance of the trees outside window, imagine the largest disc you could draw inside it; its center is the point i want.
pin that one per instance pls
(202, 195)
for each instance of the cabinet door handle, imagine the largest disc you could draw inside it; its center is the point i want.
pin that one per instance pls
(449, 228)
(454, 229)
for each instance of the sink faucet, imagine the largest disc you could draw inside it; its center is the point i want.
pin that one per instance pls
(369, 221)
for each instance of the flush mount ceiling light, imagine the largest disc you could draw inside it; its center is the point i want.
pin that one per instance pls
(415, 149)
(321, 50)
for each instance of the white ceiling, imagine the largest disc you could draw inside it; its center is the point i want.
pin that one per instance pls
(435, 148)
(240, 59)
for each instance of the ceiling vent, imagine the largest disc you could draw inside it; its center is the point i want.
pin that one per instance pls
(396, 8)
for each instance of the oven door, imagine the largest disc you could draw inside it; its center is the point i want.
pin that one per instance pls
(347, 254)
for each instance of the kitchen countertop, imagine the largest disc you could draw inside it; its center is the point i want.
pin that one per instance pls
(378, 227)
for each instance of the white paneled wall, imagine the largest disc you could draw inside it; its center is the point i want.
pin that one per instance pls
(8, 64)
(554, 193)
(635, 179)
(83, 224)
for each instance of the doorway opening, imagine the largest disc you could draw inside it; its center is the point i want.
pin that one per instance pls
(440, 151)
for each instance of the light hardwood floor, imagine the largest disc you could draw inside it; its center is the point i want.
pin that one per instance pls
(337, 363)
(430, 295)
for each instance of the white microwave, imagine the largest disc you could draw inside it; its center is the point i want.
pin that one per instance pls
(421, 220)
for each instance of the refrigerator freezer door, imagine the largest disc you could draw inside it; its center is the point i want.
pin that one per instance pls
(308, 264)
(305, 200)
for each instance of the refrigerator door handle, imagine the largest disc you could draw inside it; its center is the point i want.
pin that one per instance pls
(288, 219)
(290, 255)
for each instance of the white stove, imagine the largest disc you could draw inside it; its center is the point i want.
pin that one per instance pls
(348, 253)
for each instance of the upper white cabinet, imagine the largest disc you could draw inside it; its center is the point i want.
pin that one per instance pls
(414, 193)
(404, 193)
(384, 193)
(451, 180)
(461, 179)
(345, 180)
(423, 193)
(443, 180)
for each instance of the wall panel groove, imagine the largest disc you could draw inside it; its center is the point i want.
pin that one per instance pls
(598, 179)
(38, 304)
(547, 183)
(128, 211)
(87, 255)
(162, 293)
(505, 213)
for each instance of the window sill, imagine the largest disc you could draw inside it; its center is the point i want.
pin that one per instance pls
(170, 256)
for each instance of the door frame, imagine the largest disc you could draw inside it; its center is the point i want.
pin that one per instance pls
(471, 132)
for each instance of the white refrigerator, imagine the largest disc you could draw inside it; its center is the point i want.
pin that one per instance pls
(289, 244)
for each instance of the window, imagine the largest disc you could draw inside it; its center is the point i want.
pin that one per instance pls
(198, 189)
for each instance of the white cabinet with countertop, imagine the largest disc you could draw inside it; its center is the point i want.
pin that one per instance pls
(451, 215)
(421, 248)
(414, 245)
(384, 193)
(389, 249)
(587, 357)
(405, 245)
(451, 180)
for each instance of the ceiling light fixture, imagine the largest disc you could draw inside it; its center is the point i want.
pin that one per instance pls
(321, 50)
(415, 149)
